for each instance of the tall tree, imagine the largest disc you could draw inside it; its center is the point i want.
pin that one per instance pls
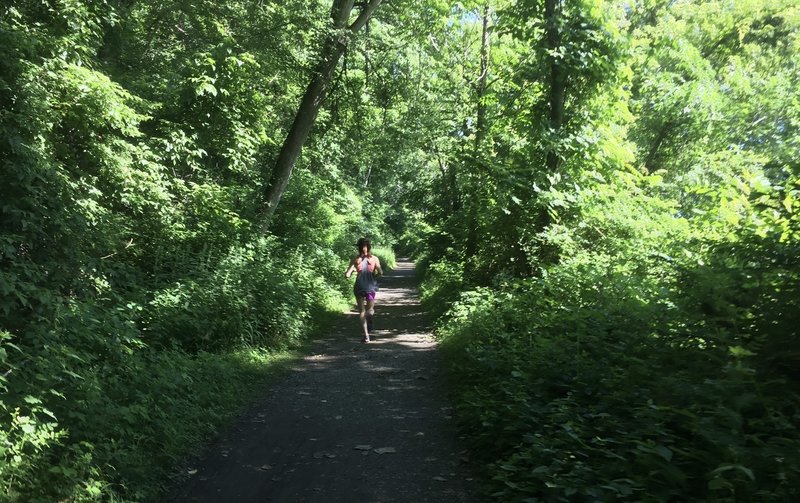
(335, 46)
(558, 78)
(480, 124)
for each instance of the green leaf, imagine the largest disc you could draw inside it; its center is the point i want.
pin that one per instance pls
(206, 88)
(664, 452)
(724, 468)
(788, 201)
(540, 470)
(718, 484)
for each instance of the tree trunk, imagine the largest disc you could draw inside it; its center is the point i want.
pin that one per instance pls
(449, 181)
(471, 245)
(480, 126)
(558, 78)
(558, 91)
(663, 133)
(313, 98)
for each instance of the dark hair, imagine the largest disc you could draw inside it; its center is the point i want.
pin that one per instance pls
(362, 243)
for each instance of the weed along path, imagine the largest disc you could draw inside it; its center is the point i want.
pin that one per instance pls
(350, 422)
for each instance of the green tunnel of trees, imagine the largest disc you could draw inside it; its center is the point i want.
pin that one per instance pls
(602, 196)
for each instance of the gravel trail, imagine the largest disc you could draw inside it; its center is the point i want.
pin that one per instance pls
(350, 422)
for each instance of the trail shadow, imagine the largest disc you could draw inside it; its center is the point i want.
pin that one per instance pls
(313, 435)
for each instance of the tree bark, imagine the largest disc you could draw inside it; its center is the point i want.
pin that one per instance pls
(312, 100)
(471, 245)
(663, 133)
(557, 93)
(480, 126)
(558, 79)
(449, 181)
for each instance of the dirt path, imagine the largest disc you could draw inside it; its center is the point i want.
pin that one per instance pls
(350, 422)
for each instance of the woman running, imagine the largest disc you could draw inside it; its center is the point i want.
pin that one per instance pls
(365, 264)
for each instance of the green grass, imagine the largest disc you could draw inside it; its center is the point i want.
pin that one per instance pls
(221, 386)
(130, 430)
(138, 421)
(388, 259)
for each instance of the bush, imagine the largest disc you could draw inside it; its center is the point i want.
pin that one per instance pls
(585, 395)
(386, 255)
(118, 431)
(655, 360)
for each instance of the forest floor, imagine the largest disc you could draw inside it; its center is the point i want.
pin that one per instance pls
(349, 422)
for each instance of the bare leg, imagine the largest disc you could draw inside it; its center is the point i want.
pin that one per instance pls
(362, 316)
(370, 313)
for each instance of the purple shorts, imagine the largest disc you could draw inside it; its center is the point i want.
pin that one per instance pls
(369, 296)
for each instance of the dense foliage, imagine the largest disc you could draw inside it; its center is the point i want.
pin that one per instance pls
(622, 323)
(138, 301)
(602, 194)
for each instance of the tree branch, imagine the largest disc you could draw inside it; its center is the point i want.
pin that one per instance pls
(366, 13)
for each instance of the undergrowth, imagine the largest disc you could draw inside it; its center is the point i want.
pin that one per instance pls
(142, 418)
(386, 256)
(591, 385)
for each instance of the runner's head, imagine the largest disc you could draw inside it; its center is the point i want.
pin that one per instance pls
(363, 246)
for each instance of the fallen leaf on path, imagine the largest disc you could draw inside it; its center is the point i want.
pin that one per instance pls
(440, 479)
(385, 450)
(265, 467)
(303, 393)
(363, 447)
(192, 471)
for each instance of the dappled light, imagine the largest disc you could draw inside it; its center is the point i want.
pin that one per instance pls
(582, 218)
(344, 408)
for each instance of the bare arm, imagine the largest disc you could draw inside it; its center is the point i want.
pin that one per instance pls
(350, 269)
(378, 266)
